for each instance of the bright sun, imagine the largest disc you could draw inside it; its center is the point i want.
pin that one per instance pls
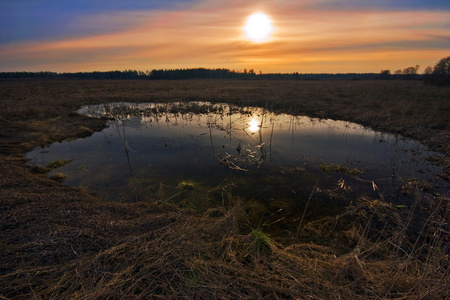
(258, 27)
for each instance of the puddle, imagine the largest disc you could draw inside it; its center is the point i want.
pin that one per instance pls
(198, 154)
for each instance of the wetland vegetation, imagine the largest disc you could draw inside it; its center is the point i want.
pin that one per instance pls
(64, 242)
(266, 159)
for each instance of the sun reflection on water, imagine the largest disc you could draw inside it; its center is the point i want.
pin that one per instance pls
(253, 125)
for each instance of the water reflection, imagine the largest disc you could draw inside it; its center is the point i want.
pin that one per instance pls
(272, 161)
(253, 125)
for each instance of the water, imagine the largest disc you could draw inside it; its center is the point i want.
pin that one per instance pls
(201, 155)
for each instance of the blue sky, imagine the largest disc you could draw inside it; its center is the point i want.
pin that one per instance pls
(48, 19)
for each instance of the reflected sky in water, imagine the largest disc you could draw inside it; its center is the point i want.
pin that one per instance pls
(149, 149)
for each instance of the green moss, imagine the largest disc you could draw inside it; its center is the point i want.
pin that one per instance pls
(58, 163)
(262, 240)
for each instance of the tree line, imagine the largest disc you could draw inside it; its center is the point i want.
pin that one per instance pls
(439, 75)
(199, 73)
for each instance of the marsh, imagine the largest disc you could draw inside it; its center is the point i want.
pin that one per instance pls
(148, 150)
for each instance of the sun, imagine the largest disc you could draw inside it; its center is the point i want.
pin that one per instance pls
(258, 27)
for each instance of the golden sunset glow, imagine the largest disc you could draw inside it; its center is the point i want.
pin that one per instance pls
(258, 27)
(283, 36)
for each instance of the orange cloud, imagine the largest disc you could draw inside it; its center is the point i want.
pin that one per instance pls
(209, 34)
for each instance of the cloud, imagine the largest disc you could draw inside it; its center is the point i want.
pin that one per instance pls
(53, 19)
(382, 5)
(209, 34)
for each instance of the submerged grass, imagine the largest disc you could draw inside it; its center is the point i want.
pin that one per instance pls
(58, 163)
(58, 177)
(341, 168)
(59, 242)
(186, 185)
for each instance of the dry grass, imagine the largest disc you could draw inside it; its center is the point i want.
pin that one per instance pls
(58, 242)
(221, 257)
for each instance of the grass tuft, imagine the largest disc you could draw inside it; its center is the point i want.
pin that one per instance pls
(186, 185)
(58, 163)
(58, 177)
(261, 241)
(341, 168)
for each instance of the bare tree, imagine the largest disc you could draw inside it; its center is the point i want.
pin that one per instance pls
(442, 68)
(411, 70)
(385, 74)
(428, 70)
(441, 73)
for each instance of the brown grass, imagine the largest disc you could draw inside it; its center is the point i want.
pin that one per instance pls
(60, 242)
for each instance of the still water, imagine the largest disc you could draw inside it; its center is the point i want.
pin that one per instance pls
(200, 155)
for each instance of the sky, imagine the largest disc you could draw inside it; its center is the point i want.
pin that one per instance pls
(308, 36)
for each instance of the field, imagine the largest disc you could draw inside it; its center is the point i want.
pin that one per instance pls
(62, 242)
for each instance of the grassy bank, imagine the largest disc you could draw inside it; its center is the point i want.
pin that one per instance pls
(62, 242)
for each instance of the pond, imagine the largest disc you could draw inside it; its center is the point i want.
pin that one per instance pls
(201, 155)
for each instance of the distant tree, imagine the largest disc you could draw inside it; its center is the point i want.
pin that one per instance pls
(442, 67)
(427, 75)
(428, 70)
(441, 72)
(398, 74)
(385, 74)
(410, 72)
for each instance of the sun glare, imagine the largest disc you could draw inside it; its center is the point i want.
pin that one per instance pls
(253, 125)
(258, 27)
